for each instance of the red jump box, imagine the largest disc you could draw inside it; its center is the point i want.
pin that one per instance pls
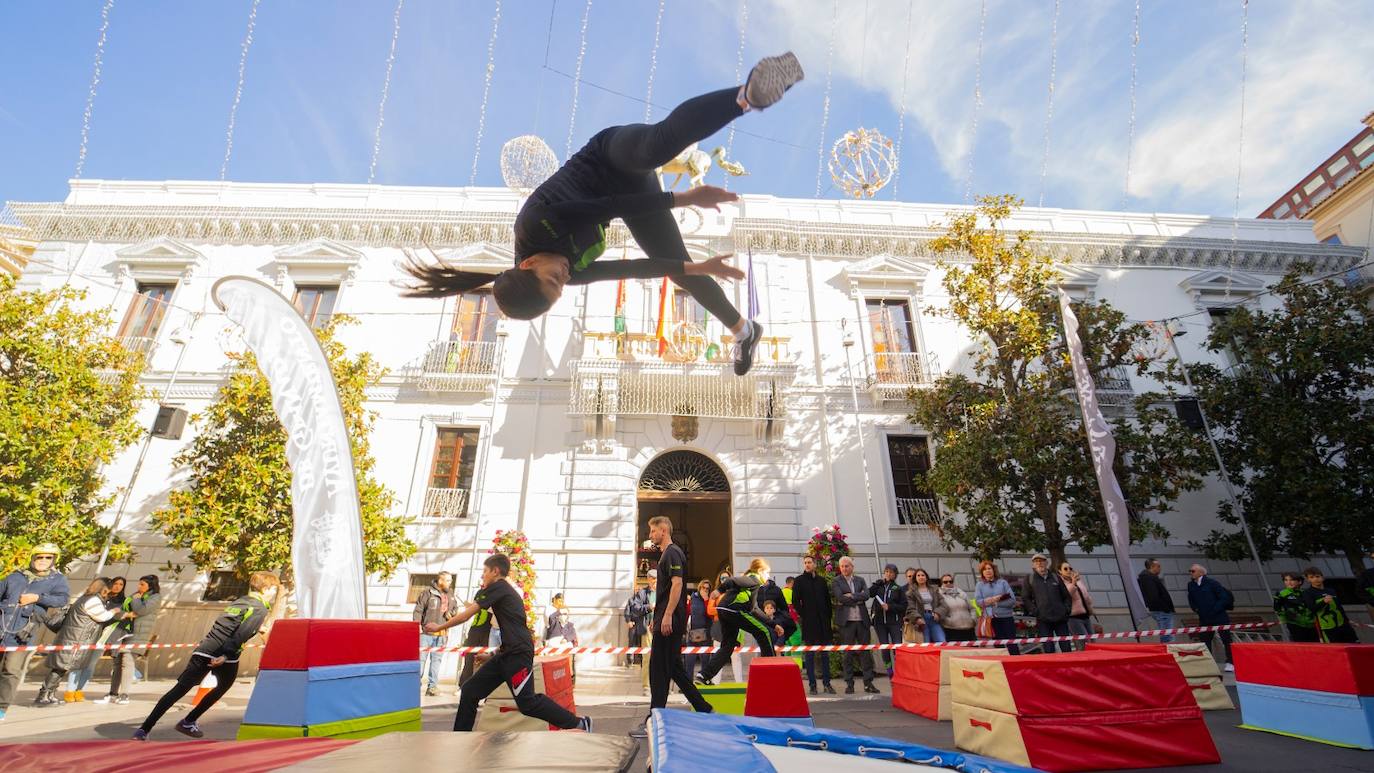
(299, 644)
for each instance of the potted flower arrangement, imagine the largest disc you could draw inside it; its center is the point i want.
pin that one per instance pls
(516, 546)
(827, 546)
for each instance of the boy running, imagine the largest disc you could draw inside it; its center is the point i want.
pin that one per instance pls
(218, 654)
(513, 662)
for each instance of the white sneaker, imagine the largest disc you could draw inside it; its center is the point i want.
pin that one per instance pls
(107, 699)
(1229, 667)
(771, 78)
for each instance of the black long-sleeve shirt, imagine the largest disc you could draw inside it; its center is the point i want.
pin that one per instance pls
(239, 623)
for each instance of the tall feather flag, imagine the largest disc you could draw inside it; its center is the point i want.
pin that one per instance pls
(620, 307)
(665, 317)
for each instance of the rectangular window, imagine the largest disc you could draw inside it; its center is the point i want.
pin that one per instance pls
(474, 318)
(890, 326)
(1282, 210)
(1336, 166)
(1316, 182)
(455, 453)
(316, 303)
(147, 311)
(1363, 145)
(909, 458)
(686, 309)
(1332, 239)
(1218, 316)
(418, 583)
(224, 586)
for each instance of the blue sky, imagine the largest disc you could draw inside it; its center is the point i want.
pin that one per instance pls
(315, 71)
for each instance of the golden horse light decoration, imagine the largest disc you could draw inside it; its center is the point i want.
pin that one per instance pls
(695, 163)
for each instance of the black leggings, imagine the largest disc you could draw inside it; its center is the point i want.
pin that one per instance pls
(190, 679)
(732, 621)
(634, 151)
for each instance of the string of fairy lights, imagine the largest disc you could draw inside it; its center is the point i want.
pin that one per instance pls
(486, 90)
(1049, 101)
(577, 79)
(977, 102)
(739, 75)
(95, 83)
(238, 89)
(386, 92)
(901, 107)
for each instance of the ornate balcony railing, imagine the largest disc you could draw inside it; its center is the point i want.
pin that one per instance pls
(922, 515)
(143, 345)
(893, 374)
(445, 503)
(458, 366)
(1114, 388)
(624, 374)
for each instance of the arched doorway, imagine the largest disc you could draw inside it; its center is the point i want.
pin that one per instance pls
(693, 491)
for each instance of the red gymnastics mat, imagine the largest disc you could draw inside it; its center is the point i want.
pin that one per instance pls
(174, 757)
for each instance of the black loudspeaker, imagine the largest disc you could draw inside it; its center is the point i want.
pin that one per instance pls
(1189, 413)
(170, 421)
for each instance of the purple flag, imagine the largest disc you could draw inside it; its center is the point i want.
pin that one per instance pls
(753, 289)
(1103, 448)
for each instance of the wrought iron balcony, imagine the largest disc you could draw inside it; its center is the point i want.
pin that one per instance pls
(893, 374)
(143, 345)
(622, 374)
(458, 366)
(1114, 388)
(445, 503)
(923, 517)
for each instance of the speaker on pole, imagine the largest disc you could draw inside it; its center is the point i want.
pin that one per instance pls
(169, 423)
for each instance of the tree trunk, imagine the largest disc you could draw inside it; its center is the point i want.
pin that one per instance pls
(1054, 538)
(1355, 556)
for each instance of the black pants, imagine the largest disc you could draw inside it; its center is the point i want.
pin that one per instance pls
(959, 634)
(476, 637)
(1054, 628)
(665, 665)
(888, 633)
(732, 621)
(634, 151)
(1301, 633)
(196, 669)
(855, 632)
(1342, 633)
(517, 671)
(1005, 628)
(1206, 638)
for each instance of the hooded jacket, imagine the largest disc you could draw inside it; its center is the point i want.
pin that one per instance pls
(52, 590)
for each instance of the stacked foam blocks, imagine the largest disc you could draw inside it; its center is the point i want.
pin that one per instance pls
(336, 679)
(552, 677)
(1078, 711)
(1194, 660)
(1320, 692)
(920, 678)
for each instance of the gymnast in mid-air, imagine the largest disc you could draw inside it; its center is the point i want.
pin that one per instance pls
(561, 229)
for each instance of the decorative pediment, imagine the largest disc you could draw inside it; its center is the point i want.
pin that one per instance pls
(1215, 286)
(318, 260)
(1079, 283)
(161, 256)
(482, 257)
(886, 271)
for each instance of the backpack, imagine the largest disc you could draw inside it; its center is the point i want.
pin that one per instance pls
(55, 617)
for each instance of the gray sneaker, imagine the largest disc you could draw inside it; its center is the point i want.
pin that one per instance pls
(745, 348)
(771, 78)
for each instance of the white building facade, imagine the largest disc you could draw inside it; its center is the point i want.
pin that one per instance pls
(576, 433)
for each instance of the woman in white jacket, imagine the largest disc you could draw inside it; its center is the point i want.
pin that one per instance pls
(960, 617)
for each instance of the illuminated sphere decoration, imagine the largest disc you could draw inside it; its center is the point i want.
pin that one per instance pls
(862, 162)
(527, 161)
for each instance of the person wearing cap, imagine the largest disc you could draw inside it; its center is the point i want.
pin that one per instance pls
(1049, 602)
(888, 610)
(26, 595)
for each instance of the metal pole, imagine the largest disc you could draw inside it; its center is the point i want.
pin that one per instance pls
(1225, 476)
(486, 457)
(142, 454)
(863, 453)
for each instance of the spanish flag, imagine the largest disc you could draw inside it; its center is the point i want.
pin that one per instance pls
(665, 317)
(620, 307)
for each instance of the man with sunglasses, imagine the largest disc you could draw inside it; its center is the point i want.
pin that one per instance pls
(26, 595)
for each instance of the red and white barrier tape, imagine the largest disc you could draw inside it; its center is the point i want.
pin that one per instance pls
(609, 650)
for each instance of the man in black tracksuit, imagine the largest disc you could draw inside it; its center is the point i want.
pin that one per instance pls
(1048, 601)
(218, 654)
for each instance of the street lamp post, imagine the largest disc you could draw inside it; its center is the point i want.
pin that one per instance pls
(1221, 465)
(180, 337)
(863, 453)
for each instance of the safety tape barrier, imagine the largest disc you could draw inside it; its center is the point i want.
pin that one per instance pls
(689, 650)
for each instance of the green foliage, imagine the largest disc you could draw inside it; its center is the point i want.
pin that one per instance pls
(236, 511)
(1294, 422)
(68, 395)
(1011, 456)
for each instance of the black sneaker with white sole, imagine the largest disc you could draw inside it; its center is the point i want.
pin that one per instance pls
(641, 729)
(771, 78)
(746, 345)
(190, 728)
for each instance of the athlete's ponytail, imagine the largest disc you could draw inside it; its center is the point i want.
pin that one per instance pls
(517, 291)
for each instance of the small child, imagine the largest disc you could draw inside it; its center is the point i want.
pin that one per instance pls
(781, 624)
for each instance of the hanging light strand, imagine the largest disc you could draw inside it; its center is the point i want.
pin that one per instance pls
(95, 82)
(653, 63)
(977, 103)
(739, 73)
(901, 108)
(386, 91)
(486, 91)
(238, 90)
(1130, 131)
(1240, 141)
(825, 109)
(1049, 107)
(577, 79)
